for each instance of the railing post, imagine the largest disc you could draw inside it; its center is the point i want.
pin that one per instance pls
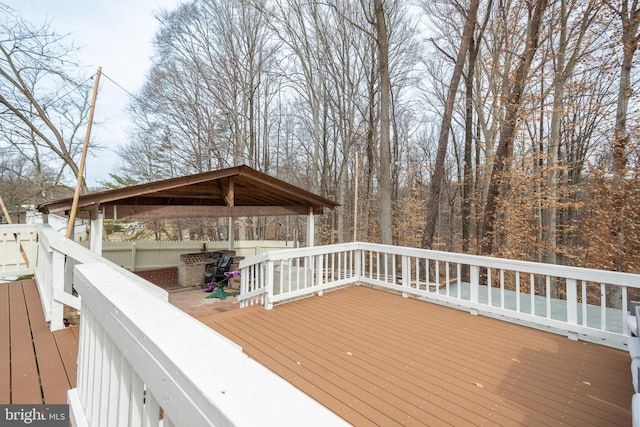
(95, 235)
(474, 279)
(68, 275)
(406, 274)
(357, 265)
(43, 271)
(319, 266)
(572, 307)
(268, 303)
(244, 284)
(57, 283)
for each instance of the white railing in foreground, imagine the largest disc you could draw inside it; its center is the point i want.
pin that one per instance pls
(139, 355)
(55, 277)
(13, 238)
(575, 301)
(51, 258)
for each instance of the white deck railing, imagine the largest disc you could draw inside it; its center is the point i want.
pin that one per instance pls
(140, 357)
(141, 361)
(55, 276)
(566, 299)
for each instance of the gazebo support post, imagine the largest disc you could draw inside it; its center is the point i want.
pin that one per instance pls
(95, 236)
(311, 229)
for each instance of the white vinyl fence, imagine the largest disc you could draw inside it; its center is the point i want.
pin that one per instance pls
(18, 250)
(142, 255)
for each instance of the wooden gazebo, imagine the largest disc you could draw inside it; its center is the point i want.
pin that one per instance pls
(238, 191)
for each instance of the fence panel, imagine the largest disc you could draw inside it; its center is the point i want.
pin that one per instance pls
(18, 249)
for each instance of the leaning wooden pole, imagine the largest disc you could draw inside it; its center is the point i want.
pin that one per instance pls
(6, 215)
(76, 195)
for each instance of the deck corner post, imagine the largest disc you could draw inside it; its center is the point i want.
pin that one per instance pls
(319, 266)
(358, 265)
(95, 236)
(474, 278)
(268, 302)
(406, 272)
(572, 302)
(57, 285)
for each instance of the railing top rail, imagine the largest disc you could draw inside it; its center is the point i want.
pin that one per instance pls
(554, 270)
(54, 240)
(298, 253)
(17, 228)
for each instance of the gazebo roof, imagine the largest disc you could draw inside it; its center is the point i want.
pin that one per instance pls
(237, 191)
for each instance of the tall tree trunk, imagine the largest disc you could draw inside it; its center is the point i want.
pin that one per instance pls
(382, 38)
(507, 132)
(436, 179)
(630, 16)
(467, 186)
(468, 176)
(564, 62)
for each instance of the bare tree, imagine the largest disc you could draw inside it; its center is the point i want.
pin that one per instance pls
(382, 42)
(443, 139)
(207, 86)
(566, 55)
(629, 14)
(507, 133)
(469, 134)
(44, 104)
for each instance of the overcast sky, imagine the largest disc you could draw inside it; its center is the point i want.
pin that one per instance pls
(116, 35)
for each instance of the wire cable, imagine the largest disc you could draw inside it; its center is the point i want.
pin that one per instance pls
(122, 88)
(69, 91)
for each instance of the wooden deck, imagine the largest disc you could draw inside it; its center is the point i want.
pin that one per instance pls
(36, 365)
(375, 358)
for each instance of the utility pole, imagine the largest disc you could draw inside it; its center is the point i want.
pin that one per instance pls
(76, 195)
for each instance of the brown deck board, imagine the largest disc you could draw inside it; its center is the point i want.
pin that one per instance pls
(53, 377)
(377, 358)
(24, 369)
(383, 370)
(385, 361)
(32, 358)
(5, 349)
(533, 388)
(67, 344)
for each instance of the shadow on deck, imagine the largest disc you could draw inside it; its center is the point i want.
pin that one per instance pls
(36, 365)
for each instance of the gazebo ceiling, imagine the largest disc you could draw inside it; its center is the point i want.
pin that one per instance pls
(233, 192)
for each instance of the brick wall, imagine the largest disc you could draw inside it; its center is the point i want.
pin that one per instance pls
(191, 266)
(163, 277)
(191, 274)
